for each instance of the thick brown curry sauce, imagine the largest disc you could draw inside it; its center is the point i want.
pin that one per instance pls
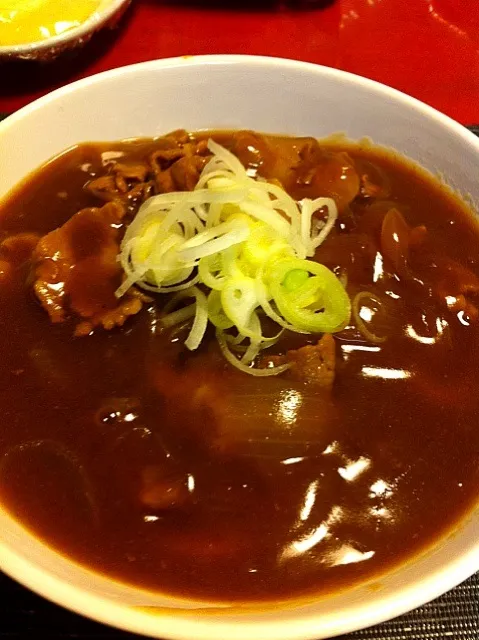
(176, 472)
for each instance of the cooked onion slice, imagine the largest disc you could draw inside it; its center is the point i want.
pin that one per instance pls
(358, 303)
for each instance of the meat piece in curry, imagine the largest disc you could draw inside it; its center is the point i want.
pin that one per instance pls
(76, 270)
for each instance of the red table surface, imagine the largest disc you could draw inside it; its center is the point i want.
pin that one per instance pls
(427, 48)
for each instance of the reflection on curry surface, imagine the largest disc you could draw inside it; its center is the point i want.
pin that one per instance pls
(171, 469)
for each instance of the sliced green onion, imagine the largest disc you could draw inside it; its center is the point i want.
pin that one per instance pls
(200, 322)
(216, 313)
(294, 279)
(210, 271)
(239, 300)
(244, 242)
(179, 316)
(233, 360)
(262, 293)
(332, 305)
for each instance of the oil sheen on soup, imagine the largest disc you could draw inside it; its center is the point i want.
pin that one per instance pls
(168, 467)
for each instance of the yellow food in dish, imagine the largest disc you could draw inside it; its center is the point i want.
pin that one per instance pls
(25, 21)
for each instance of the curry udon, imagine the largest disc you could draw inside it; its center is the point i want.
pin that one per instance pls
(169, 468)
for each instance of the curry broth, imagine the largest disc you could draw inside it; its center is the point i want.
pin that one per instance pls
(273, 489)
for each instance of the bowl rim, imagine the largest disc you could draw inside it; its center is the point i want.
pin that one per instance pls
(94, 21)
(175, 625)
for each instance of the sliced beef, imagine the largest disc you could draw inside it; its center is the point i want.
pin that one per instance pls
(313, 364)
(76, 271)
(178, 168)
(128, 183)
(18, 248)
(331, 174)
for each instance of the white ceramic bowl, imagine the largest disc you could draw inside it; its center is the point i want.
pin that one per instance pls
(268, 95)
(107, 15)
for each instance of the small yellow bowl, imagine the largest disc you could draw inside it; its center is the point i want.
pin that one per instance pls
(106, 15)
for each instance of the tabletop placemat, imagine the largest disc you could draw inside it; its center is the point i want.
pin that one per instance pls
(454, 616)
